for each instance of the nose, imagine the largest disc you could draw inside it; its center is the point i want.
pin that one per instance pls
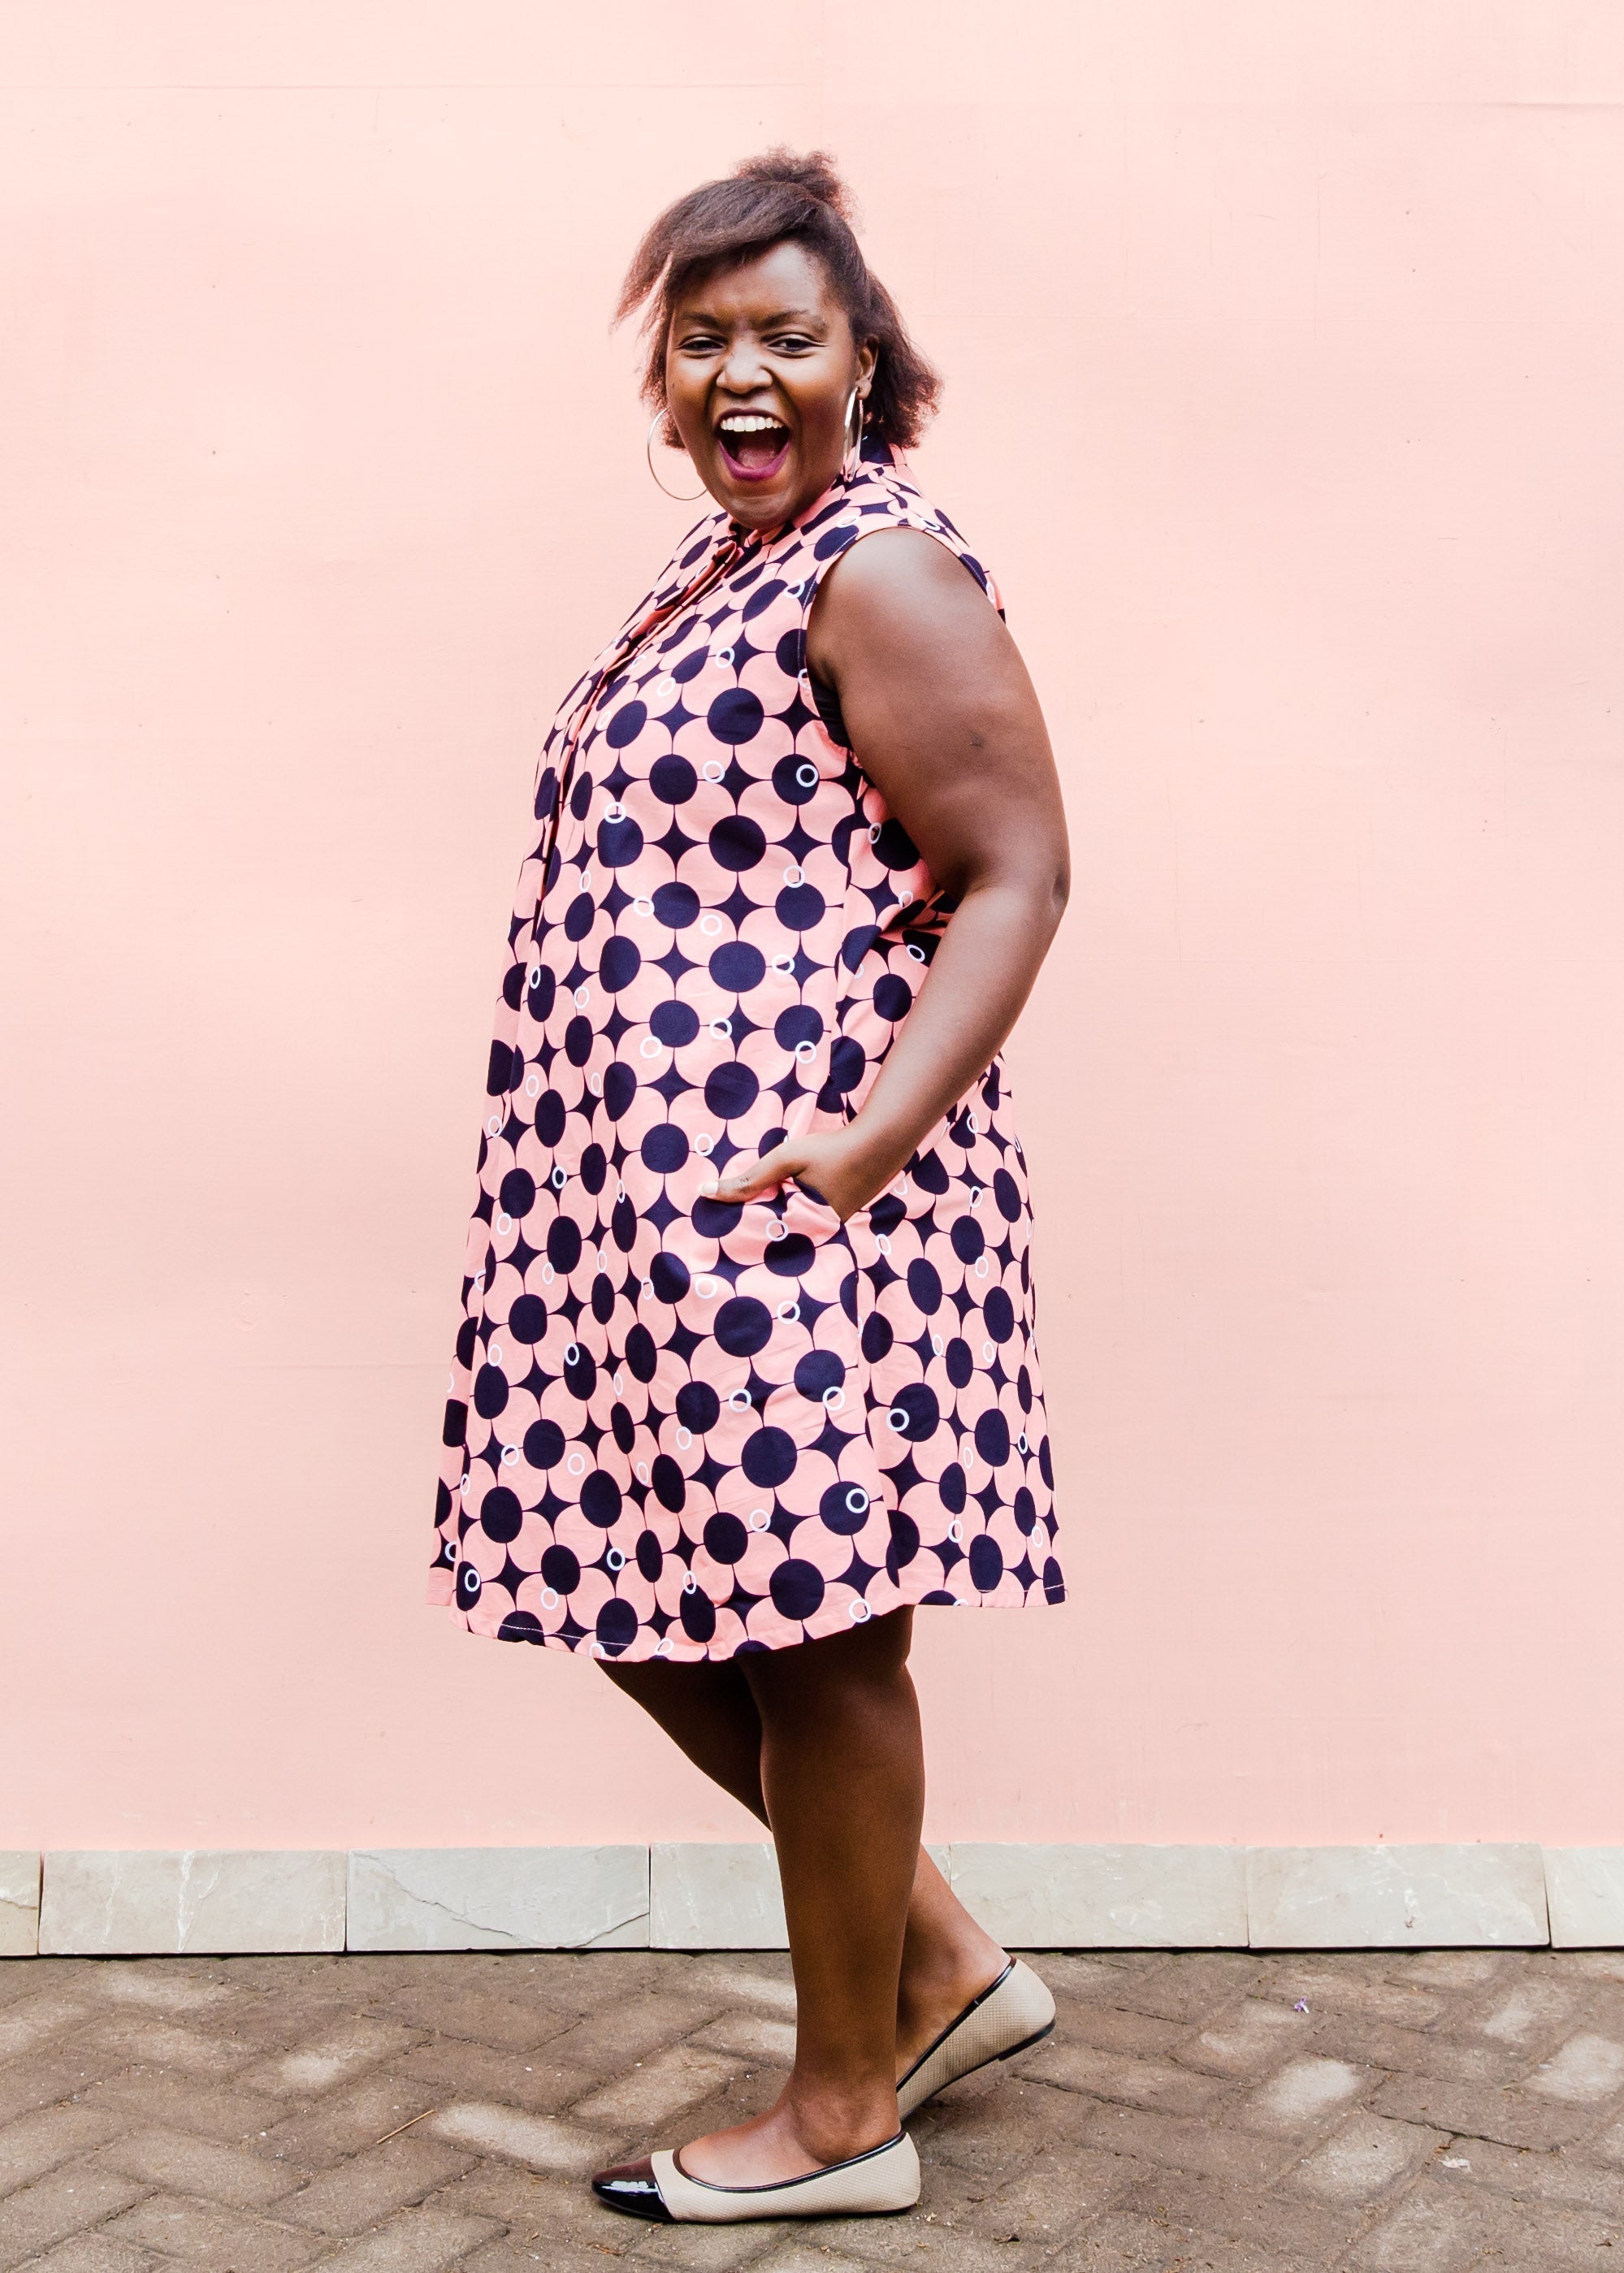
(743, 372)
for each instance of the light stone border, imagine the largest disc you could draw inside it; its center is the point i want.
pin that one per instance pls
(694, 1895)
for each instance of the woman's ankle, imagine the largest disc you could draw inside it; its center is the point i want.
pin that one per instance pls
(835, 2120)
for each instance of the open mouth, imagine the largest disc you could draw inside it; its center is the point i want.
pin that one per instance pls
(753, 443)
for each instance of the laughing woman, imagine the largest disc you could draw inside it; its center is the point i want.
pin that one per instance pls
(746, 1369)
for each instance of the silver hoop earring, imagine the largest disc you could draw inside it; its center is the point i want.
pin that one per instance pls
(683, 497)
(855, 442)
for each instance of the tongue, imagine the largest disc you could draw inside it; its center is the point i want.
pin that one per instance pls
(753, 451)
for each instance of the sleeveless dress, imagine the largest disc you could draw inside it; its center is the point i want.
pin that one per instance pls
(679, 1429)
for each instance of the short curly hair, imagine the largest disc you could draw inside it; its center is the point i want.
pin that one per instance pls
(780, 195)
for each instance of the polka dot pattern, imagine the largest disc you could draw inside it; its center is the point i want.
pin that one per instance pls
(678, 1428)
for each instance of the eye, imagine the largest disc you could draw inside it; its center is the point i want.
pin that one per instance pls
(793, 342)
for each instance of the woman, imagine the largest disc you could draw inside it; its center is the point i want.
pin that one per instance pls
(748, 1344)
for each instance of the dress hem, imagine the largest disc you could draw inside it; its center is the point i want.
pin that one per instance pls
(692, 1653)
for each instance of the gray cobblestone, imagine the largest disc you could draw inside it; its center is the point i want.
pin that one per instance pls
(202, 2233)
(1429, 2110)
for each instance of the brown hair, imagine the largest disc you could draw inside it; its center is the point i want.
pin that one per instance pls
(762, 202)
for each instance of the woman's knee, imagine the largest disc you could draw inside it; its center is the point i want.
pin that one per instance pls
(870, 1659)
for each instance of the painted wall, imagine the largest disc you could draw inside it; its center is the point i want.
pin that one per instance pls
(1284, 350)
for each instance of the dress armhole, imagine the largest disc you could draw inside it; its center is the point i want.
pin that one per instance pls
(828, 710)
(823, 696)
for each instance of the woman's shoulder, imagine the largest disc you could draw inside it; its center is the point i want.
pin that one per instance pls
(926, 551)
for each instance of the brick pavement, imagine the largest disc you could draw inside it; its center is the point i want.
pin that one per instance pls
(1427, 2111)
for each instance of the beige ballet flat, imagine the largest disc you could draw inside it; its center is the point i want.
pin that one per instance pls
(871, 2184)
(1011, 2016)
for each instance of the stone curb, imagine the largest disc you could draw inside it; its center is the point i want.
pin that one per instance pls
(696, 1896)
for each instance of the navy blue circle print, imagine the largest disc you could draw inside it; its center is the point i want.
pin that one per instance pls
(686, 1426)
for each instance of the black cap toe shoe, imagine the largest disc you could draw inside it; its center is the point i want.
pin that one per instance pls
(633, 2187)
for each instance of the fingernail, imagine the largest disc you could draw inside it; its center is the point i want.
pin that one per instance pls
(709, 1185)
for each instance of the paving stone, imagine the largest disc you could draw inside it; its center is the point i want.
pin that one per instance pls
(349, 2122)
(803, 2257)
(718, 2248)
(656, 2090)
(743, 1981)
(198, 2166)
(1117, 2028)
(1051, 2198)
(176, 1984)
(1480, 2112)
(19, 1902)
(458, 1898)
(486, 2015)
(1450, 1969)
(536, 2139)
(709, 1897)
(1122, 2242)
(1186, 1989)
(1178, 2144)
(147, 2097)
(750, 2036)
(418, 2241)
(371, 2187)
(134, 1900)
(97, 2253)
(331, 2058)
(449, 2067)
(1086, 1978)
(1394, 1897)
(1103, 1897)
(1274, 2221)
(126, 2040)
(201, 2233)
(1529, 2010)
(27, 2085)
(1304, 2095)
(1415, 2051)
(1437, 2228)
(1589, 1964)
(1610, 2147)
(66, 2202)
(1251, 2037)
(993, 2133)
(1586, 2068)
(609, 2042)
(1586, 1887)
(1113, 2076)
(36, 2143)
(1365, 2158)
(35, 2020)
(529, 2202)
(1330, 1987)
(508, 2256)
(1534, 2177)
(926, 2241)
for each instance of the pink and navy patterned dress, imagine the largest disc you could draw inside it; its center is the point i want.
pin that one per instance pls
(679, 1428)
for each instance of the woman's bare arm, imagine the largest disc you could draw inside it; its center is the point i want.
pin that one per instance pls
(944, 722)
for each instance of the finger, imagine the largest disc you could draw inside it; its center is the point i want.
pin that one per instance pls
(749, 1183)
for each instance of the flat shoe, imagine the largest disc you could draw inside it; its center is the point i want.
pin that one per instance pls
(1011, 2015)
(883, 2178)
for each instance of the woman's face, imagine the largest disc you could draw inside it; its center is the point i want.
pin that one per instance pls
(759, 365)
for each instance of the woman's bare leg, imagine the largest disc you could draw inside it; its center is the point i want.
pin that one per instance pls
(708, 1713)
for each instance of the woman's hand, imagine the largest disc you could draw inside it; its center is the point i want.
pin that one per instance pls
(834, 1164)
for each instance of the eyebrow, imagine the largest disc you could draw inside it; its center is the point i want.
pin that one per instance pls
(698, 314)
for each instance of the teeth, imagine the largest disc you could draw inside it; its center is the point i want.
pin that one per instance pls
(740, 422)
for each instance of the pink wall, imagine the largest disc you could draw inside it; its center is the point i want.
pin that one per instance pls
(1284, 350)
